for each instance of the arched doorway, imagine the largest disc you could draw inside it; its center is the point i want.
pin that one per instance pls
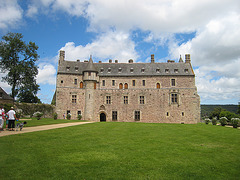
(102, 117)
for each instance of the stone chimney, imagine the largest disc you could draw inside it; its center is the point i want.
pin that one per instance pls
(152, 58)
(187, 58)
(61, 56)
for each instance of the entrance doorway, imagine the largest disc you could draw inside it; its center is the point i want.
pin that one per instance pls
(102, 117)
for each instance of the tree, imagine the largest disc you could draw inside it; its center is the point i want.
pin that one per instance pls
(216, 112)
(17, 59)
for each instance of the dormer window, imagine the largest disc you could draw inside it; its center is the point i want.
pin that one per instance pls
(131, 70)
(119, 70)
(142, 70)
(109, 70)
(101, 70)
(68, 68)
(76, 68)
(176, 70)
(186, 70)
(166, 70)
(157, 70)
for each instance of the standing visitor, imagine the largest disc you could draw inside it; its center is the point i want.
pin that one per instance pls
(1, 118)
(11, 119)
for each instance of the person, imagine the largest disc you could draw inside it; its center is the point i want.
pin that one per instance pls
(64, 116)
(11, 119)
(1, 118)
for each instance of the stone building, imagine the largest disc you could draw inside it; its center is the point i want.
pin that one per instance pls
(5, 98)
(128, 92)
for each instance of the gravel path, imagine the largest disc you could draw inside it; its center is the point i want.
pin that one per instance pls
(40, 128)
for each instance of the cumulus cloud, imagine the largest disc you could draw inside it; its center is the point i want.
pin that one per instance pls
(46, 74)
(111, 45)
(10, 13)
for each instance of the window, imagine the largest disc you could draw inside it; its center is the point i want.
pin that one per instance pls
(176, 70)
(74, 98)
(108, 99)
(157, 70)
(137, 115)
(167, 113)
(158, 85)
(61, 81)
(75, 81)
(68, 112)
(142, 70)
(166, 70)
(76, 68)
(101, 70)
(113, 82)
(125, 99)
(114, 115)
(120, 86)
(119, 70)
(133, 82)
(131, 70)
(174, 98)
(103, 82)
(109, 70)
(186, 70)
(173, 82)
(141, 99)
(182, 113)
(81, 85)
(143, 82)
(125, 86)
(68, 68)
(79, 113)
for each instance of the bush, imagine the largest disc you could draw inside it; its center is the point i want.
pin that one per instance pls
(79, 117)
(68, 116)
(223, 121)
(207, 120)
(38, 115)
(214, 121)
(235, 122)
(55, 115)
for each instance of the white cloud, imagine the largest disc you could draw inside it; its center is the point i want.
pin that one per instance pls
(113, 45)
(46, 74)
(10, 13)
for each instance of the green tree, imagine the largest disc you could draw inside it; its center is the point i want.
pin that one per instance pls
(17, 59)
(216, 112)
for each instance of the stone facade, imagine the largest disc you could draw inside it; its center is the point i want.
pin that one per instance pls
(128, 92)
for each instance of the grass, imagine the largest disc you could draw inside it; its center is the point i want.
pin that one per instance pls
(115, 150)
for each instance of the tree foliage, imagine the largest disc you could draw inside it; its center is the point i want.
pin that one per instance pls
(17, 59)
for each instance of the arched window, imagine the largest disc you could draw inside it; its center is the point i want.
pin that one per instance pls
(81, 85)
(120, 86)
(158, 85)
(125, 86)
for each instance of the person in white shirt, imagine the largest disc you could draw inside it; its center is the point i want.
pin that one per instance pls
(1, 118)
(11, 119)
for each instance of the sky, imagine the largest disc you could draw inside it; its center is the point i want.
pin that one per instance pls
(209, 30)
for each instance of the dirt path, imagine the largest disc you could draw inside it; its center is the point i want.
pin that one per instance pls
(40, 128)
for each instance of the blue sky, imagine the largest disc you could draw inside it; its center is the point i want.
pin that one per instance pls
(133, 29)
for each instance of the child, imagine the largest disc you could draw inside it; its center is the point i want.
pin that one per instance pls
(1, 118)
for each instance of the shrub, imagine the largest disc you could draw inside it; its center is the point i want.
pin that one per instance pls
(79, 117)
(235, 122)
(214, 121)
(207, 120)
(223, 121)
(68, 116)
(55, 115)
(38, 115)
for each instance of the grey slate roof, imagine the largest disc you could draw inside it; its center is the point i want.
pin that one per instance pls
(4, 95)
(128, 69)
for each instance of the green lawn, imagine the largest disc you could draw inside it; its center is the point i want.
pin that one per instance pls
(115, 150)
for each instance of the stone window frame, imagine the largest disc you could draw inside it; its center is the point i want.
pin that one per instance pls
(142, 99)
(74, 98)
(144, 82)
(134, 82)
(108, 100)
(125, 99)
(137, 115)
(103, 82)
(173, 82)
(114, 116)
(113, 82)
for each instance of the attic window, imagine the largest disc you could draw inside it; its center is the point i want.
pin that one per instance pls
(120, 70)
(76, 68)
(101, 70)
(131, 70)
(109, 70)
(68, 68)
(157, 70)
(176, 70)
(166, 70)
(142, 70)
(186, 70)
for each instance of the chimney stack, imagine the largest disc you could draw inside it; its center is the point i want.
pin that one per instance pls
(61, 56)
(152, 58)
(116, 61)
(187, 58)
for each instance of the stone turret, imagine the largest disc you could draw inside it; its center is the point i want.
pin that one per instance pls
(90, 80)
